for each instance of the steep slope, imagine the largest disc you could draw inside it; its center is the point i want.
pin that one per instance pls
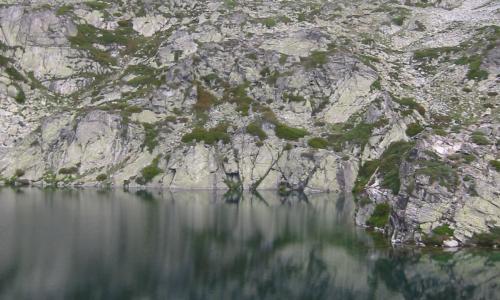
(285, 95)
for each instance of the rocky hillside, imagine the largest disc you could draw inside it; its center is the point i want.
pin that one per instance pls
(395, 100)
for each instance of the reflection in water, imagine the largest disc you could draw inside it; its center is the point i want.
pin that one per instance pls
(68, 244)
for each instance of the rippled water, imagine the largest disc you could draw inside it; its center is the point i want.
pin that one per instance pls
(67, 244)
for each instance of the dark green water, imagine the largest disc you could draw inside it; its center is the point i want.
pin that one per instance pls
(197, 245)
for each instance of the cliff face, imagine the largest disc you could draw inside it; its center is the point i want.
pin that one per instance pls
(294, 96)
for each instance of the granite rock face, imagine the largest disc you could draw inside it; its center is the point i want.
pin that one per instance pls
(299, 96)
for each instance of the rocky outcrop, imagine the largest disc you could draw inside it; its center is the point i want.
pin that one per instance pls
(309, 96)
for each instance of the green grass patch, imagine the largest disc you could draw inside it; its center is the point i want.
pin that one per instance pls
(495, 164)
(433, 53)
(149, 172)
(209, 137)
(255, 129)
(289, 133)
(413, 129)
(64, 9)
(380, 216)
(96, 5)
(479, 138)
(411, 104)
(318, 143)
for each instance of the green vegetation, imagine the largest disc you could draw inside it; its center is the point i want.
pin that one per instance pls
(88, 35)
(414, 129)
(238, 95)
(255, 129)
(289, 133)
(64, 9)
(376, 85)
(150, 137)
(293, 98)
(146, 75)
(209, 137)
(20, 97)
(19, 173)
(268, 22)
(380, 216)
(489, 239)
(364, 175)
(358, 134)
(68, 171)
(14, 74)
(438, 235)
(474, 62)
(316, 59)
(439, 171)
(96, 5)
(387, 166)
(390, 162)
(204, 101)
(101, 177)
(443, 230)
(495, 164)
(410, 103)
(149, 172)
(318, 143)
(479, 138)
(433, 53)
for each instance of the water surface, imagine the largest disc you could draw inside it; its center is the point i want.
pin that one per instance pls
(90, 244)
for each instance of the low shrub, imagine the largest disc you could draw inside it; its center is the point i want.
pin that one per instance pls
(289, 133)
(380, 216)
(413, 129)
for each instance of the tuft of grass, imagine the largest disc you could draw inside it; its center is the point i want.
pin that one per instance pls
(414, 129)
(318, 143)
(478, 138)
(495, 164)
(64, 9)
(255, 129)
(411, 104)
(96, 5)
(209, 137)
(268, 22)
(380, 216)
(289, 133)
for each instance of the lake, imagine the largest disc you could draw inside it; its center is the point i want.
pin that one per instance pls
(92, 244)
